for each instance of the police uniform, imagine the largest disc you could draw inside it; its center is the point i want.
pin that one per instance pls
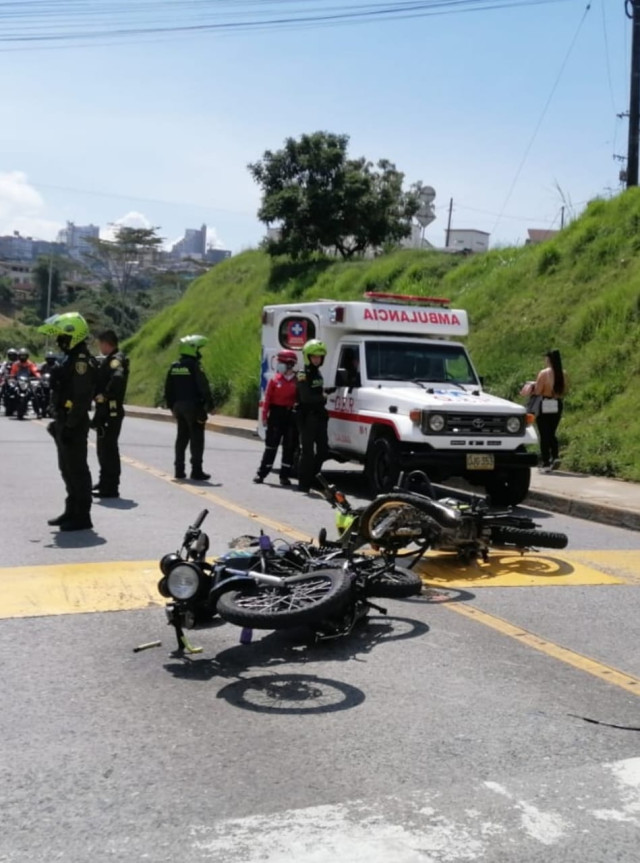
(188, 396)
(73, 386)
(111, 388)
(312, 425)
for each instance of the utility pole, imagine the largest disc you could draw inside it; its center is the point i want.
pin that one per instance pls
(449, 220)
(49, 285)
(632, 9)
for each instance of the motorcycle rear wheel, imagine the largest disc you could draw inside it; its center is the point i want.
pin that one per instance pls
(379, 510)
(393, 582)
(305, 601)
(512, 537)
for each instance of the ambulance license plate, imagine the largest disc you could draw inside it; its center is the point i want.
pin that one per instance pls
(480, 461)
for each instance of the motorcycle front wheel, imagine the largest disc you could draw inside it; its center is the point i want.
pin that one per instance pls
(511, 537)
(392, 582)
(303, 600)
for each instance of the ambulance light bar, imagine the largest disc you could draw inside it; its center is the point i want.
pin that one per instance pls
(380, 296)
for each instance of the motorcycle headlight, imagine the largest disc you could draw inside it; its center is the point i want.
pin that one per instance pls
(436, 422)
(514, 425)
(183, 581)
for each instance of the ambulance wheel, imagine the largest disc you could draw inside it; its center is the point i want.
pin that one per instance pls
(508, 488)
(383, 464)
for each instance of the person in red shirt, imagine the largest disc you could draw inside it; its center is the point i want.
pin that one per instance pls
(24, 364)
(277, 415)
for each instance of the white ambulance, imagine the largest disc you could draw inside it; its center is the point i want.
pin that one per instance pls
(406, 393)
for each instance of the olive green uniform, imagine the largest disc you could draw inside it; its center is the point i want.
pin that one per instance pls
(111, 389)
(312, 425)
(72, 390)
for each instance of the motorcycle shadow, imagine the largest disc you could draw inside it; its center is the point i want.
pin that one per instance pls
(296, 645)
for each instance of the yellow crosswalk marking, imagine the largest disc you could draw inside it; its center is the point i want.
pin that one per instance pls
(513, 570)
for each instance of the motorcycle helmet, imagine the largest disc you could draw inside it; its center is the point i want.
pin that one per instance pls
(190, 345)
(314, 348)
(23, 355)
(50, 358)
(289, 358)
(12, 355)
(69, 328)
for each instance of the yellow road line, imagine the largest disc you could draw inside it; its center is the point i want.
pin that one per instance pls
(563, 654)
(203, 492)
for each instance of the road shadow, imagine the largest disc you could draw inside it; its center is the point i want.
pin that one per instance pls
(295, 646)
(292, 694)
(76, 539)
(198, 483)
(115, 502)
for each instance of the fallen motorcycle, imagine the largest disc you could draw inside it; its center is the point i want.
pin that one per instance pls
(261, 584)
(408, 524)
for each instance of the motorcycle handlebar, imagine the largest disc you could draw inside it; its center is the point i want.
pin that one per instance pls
(199, 520)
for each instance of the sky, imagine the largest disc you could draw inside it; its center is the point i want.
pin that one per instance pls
(509, 112)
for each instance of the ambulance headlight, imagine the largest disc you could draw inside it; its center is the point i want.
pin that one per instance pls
(183, 581)
(514, 425)
(436, 422)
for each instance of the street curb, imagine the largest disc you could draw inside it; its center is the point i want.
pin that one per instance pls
(213, 425)
(585, 510)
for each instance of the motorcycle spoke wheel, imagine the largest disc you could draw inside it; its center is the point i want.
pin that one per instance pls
(511, 537)
(304, 601)
(392, 582)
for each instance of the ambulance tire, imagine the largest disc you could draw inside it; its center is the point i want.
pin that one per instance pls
(383, 463)
(508, 488)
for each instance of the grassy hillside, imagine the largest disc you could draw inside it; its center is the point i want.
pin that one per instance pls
(579, 292)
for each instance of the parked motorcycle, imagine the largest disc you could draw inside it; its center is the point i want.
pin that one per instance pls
(409, 523)
(261, 584)
(42, 395)
(22, 395)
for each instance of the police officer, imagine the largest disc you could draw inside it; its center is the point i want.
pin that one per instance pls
(111, 388)
(188, 396)
(73, 386)
(312, 414)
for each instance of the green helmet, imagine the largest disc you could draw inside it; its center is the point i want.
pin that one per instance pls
(70, 324)
(190, 345)
(314, 348)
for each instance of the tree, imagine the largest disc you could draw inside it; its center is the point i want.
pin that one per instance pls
(320, 199)
(121, 259)
(45, 270)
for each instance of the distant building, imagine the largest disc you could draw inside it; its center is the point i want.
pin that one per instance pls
(216, 256)
(18, 248)
(539, 235)
(76, 239)
(20, 275)
(192, 245)
(468, 240)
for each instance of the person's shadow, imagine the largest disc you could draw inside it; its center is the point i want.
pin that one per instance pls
(76, 539)
(115, 502)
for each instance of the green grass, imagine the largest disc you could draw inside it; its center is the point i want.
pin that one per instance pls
(580, 292)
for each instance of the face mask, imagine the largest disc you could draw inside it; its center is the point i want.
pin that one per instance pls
(281, 367)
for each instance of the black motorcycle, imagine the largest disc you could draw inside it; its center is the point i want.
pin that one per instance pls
(22, 393)
(261, 584)
(42, 395)
(408, 523)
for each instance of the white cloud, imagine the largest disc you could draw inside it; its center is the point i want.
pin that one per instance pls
(132, 219)
(21, 208)
(213, 240)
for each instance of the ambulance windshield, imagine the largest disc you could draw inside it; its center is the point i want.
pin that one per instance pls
(418, 361)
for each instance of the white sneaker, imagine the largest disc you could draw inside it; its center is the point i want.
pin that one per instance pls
(545, 469)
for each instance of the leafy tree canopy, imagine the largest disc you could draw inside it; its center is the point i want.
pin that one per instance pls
(121, 259)
(320, 199)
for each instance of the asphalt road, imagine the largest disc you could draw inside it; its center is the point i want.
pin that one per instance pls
(462, 726)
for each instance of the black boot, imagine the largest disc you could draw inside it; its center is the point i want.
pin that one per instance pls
(83, 523)
(200, 474)
(57, 521)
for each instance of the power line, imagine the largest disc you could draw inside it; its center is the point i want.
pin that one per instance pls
(542, 116)
(72, 21)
